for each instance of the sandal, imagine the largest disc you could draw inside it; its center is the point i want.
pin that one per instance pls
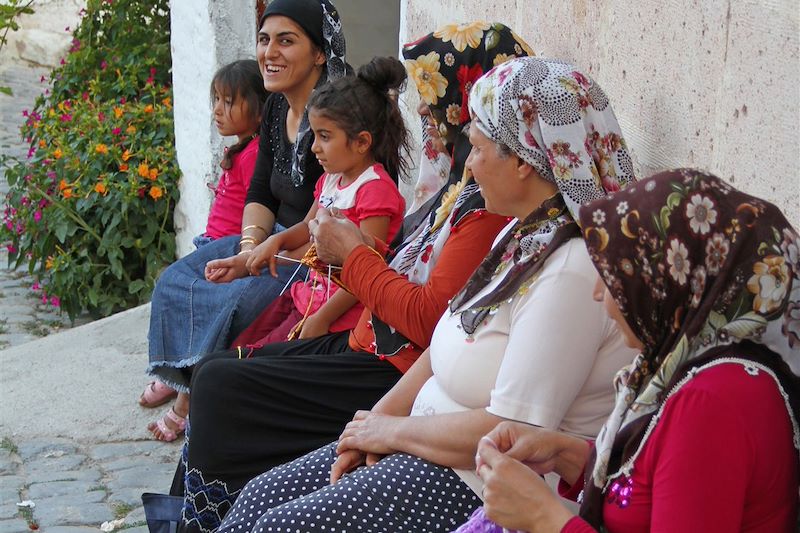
(156, 394)
(168, 434)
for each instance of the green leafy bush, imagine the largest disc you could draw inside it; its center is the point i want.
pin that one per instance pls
(90, 209)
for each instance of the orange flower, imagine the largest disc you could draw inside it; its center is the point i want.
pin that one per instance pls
(48, 264)
(123, 167)
(156, 193)
(130, 130)
(42, 144)
(101, 149)
(57, 153)
(148, 108)
(167, 102)
(153, 173)
(62, 185)
(144, 170)
(118, 112)
(67, 193)
(100, 188)
(126, 155)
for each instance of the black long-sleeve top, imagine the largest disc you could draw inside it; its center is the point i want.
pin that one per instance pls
(272, 185)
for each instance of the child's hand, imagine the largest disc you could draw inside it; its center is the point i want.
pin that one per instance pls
(314, 326)
(227, 269)
(263, 255)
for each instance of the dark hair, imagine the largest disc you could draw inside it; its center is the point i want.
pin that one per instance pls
(368, 102)
(240, 80)
(305, 13)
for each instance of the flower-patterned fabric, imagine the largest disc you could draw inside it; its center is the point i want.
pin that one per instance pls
(542, 110)
(445, 64)
(693, 265)
(559, 121)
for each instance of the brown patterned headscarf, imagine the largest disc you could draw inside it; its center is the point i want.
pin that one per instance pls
(695, 266)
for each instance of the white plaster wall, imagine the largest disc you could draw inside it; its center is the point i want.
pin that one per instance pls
(712, 84)
(206, 34)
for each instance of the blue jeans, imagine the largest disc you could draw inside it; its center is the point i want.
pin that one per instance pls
(191, 316)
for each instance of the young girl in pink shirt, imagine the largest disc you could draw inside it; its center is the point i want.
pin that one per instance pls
(238, 94)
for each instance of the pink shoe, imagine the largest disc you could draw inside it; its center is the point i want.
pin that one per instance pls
(156, 394)
(168, 434)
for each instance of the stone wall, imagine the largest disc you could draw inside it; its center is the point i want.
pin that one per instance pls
(710, 84)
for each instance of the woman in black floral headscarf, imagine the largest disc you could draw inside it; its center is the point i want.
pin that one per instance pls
(704, 433)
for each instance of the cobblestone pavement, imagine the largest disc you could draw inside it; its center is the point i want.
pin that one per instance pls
(75, 486)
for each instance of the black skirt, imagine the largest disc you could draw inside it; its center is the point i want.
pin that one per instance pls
(269, 407)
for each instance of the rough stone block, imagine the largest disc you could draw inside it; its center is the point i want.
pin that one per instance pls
(89, 514)
(47, 475)
(39, 491)
(14, 526)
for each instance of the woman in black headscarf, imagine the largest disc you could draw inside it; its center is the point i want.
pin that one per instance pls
(205, 299)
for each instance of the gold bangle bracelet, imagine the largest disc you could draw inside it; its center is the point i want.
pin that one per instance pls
(250, 240)
(254, 226)
(245, 251)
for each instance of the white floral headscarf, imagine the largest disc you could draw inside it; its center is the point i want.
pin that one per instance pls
(558, 120)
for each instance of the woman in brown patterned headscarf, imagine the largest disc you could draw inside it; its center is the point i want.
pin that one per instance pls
(704, 433)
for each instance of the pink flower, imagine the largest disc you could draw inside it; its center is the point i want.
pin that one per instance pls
(35, 286)
(85, 96)
(55, 301)
(101, 116)
(66, 29)
(42, 79)
(11, 249)
(123, 100)
(24, 112)
(62, 61)
(44, 298)
(116, 131)
(103, 64)
(37, 215)
(66, 117)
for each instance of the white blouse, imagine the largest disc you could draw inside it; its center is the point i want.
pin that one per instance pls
(547, 357)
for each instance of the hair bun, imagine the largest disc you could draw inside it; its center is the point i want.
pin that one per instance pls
(383, 73)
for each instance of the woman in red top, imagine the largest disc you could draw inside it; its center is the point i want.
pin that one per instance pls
(705, 280)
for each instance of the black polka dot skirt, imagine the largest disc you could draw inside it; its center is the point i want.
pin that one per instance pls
(401, 493)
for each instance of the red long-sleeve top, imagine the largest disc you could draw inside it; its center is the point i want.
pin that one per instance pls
(720, 459)
(414, 309)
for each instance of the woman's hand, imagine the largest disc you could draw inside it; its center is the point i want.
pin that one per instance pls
(335, 237)
(346, 462)
(314, 326)
(541, 450)
(369, 432)
(264, 254)
(227, 269)
(514, 496)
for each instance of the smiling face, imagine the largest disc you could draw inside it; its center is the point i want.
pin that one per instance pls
(286, 56)
(602, 294)
(335, 152)
(232, 115)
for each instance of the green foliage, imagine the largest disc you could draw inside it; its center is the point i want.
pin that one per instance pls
(90, 209)
(10, 10)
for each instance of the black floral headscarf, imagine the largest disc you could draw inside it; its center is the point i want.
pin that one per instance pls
(445, 64)
(694, 266)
